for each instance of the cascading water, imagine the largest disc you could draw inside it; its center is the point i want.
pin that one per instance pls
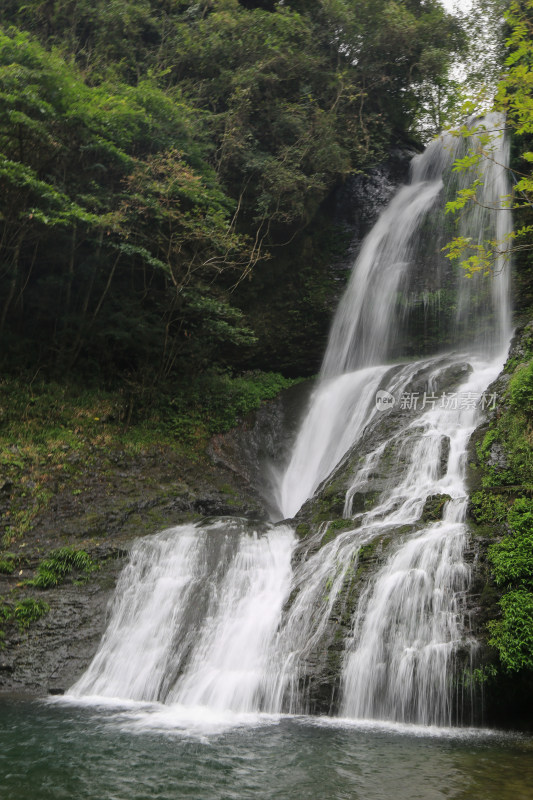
(408, 623)
(403, 249)
(215, 615)
(194, 617)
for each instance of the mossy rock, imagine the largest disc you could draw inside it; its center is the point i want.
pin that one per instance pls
(327, 508)
(364, 501)
(335, 527)
(302, 530)
(434, 507)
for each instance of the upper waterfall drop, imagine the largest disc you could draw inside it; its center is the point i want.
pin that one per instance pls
(401, 267)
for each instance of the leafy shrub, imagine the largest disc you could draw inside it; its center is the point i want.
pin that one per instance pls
(520, 516)
(512, 558)
(28, 611)
(513, 634)
(521, 389)
(23, 613)
(488, 507)
(54, 569)
(214, 402)
(7, 564)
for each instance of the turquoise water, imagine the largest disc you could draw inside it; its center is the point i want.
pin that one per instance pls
(59, 750)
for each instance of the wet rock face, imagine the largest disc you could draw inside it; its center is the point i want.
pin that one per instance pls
(55, 651)
(321, 668)
(361, 198)
(138, 496)
(497, 456)
(258, 449)
(434, 507)
(392, 429)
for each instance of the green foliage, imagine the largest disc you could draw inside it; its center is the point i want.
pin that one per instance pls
(7, 564)
(521, 389)
(464, 196)
(512, 557)
(513, 97)
(29, 610)
(505, 457)
(520, 516)
(487, 507)
(480, 676)
(54, 569)
(511, 432)
(512, 635)
(483, 675)
(215, 402)
(109, 212)
(23, 613)
(153, 158)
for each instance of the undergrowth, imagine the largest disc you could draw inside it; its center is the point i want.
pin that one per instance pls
(51, 433)
(22, 613)
(61, 563)
(505, 502)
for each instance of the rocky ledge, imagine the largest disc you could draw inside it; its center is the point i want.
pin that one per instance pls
(102, 516)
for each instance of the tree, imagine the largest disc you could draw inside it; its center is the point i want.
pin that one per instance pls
(514, 98)
(157, 152)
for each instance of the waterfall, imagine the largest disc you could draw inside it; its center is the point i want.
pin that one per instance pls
(194, 616)
(233, 616)
(403, 249)
(409, 620)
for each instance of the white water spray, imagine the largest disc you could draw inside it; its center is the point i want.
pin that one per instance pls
(194, 617)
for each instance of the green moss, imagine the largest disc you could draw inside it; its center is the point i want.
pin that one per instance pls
(368, 551)
(341, 524)
(366, 556)
(434, 507)
(328, 537)
(302, 530)
(329, 506)
(335, 527)
(364, 501)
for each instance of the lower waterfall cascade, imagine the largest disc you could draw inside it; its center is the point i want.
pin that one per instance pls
(243, 616)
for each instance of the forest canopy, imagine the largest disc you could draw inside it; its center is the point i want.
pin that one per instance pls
(157, 158)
